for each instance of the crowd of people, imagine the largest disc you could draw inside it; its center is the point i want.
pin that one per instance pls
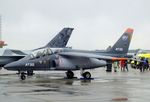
(122, 65)
(142, 64)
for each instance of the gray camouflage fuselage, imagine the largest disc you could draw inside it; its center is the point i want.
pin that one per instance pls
(70, 59)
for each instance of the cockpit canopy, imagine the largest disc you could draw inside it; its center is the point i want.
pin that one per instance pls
(40, 52)
(44, 52)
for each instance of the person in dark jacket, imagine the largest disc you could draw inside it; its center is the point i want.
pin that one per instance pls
(126, 65)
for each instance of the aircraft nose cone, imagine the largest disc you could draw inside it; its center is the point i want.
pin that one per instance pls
(10, 66)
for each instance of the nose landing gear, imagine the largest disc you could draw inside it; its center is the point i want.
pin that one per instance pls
(23, 76)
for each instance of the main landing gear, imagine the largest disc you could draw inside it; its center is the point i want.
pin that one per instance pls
(85, 75)
(69, 74)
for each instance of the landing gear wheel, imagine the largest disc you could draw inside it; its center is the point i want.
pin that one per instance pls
(86, 75)
(23, 76)
(30, 73)
(69, 74)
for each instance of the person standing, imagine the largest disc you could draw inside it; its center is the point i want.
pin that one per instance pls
(126, 65)
(147, 63)
(122, 63)
(115, 65)
(141, 64)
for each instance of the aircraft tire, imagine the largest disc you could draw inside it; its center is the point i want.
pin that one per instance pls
(86, 75)
(69, 74)
(22, 77)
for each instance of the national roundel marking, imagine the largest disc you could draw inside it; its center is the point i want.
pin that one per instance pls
(124, 38)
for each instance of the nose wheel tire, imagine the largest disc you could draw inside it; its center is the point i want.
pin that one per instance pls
(69, 74)
(86, 75)
(23, 76)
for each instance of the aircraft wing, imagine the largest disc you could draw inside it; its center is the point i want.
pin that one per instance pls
(8, 59)
(89, 55)
(18, 57)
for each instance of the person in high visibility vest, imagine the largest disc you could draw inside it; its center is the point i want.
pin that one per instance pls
(115, 66)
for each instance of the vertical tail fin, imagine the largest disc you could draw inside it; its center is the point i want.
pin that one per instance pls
(61, 39)
(122, 45)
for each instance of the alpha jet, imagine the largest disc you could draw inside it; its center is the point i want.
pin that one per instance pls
(65, 59)
(11, 55)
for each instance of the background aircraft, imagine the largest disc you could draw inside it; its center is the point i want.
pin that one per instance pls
(141, 54)
(71, 59)
(60, 40)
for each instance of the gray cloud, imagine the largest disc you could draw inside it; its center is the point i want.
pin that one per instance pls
(28, 24)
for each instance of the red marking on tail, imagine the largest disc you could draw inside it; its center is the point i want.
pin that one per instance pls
(129, 30)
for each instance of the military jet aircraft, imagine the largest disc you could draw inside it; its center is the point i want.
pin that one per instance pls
(60, 40)
(66, 59)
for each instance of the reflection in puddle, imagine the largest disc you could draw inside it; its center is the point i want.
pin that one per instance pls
(104, 88)
(45, 90)
(46, 87)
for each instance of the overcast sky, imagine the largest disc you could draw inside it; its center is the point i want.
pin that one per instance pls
(29, 24)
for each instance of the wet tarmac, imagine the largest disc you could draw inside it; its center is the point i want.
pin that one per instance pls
(132, 86)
